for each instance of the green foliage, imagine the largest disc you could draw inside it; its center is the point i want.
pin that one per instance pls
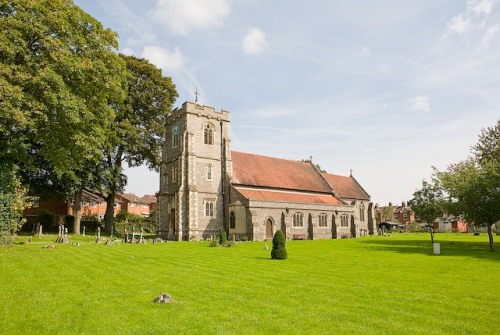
(58, 73)
(279, 251)
(473, 185)
(125, 220)
(137, 132)
(429, 203)
(222, 236)
(13, 200)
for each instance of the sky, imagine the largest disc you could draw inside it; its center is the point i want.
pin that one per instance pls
(387, 89)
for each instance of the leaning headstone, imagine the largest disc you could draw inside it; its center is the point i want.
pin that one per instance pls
(141, 237)
(163, 298)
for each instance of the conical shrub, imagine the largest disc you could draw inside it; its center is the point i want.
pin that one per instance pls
(279, 251)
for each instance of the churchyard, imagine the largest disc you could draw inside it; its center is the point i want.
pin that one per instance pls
(370, 285)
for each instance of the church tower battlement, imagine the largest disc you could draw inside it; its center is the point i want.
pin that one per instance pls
(195, 160)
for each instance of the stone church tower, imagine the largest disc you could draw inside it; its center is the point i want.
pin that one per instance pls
(195, 160)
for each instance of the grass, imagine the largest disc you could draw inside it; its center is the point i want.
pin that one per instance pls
(371, 285)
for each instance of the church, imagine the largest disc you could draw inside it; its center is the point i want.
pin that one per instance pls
(205, 186)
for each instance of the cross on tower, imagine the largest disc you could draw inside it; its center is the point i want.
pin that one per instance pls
(196, 93)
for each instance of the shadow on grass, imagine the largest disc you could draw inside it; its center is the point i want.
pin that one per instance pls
(478, 250)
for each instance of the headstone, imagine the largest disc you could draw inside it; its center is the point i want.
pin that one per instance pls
(59, 235)
(437, 248)
(125, 236)
(83, 234)
(40, 230)
(98, 238)
(65, 237)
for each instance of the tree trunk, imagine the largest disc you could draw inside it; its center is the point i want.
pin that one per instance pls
(78, 211)
(431, 229)
(109, 216)
(490, 237)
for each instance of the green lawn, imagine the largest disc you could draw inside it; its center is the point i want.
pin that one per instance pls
(371, 285)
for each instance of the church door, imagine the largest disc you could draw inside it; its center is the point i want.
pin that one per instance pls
(269, 229)
(171, 228)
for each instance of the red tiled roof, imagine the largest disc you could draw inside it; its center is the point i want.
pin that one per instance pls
(274, 196)
(346, 187)
(270, 172)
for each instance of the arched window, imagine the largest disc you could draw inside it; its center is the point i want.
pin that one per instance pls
(344, 221)
(175, 137)
(209, 171)
(208, 132)
(232, 220)
(362, 212)
(298, 220)
(209, 208)
(323, 220)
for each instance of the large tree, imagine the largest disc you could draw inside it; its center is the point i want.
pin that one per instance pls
(58, 72)
(138, 132)
(474, 184)
(429, 203)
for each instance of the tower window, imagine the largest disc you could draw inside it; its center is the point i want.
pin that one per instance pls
(175, 137)
(209, 208)
(209, 171)
(208, 137)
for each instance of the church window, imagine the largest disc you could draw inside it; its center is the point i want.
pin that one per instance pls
(298, 220)
(232, 220)
(344, 221)
(209, 171)
(323, 218)
(362, 212)
(208, 137)
(174, 173)
(209, 208)
(175, 137)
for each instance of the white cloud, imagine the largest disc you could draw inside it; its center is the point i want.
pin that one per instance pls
(483, 7)
(168, 61)
(474, 17)
(420, 103)
(489, 37)
(459, 24)
(181, 16)
(254, 41)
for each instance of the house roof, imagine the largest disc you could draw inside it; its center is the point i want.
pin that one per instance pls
(134, 198)
(346, 187)
(293, 197)
(277, 173)
(150, 199)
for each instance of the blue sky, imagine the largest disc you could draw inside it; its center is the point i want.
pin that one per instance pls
(385, 88)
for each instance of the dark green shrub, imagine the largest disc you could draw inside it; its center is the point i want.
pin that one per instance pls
(279, 251)
(222, 236)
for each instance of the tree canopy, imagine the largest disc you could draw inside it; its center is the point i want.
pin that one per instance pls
(473, 185)
(58, 72)
(429, 203)
(137, 133)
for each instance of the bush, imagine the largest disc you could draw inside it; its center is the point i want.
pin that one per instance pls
(222, 236)
(6, 239)
(279, 251)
